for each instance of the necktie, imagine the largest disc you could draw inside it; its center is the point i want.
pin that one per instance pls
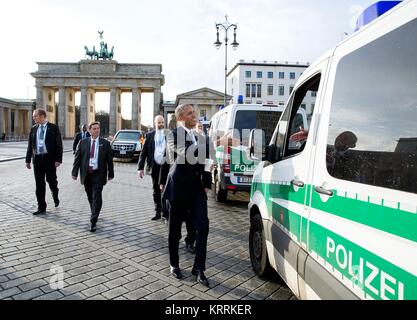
(93, 149)
(42, 137)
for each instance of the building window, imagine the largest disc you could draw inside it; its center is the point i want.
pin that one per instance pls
(270, 75)
(281, 90)
(248, 74)
(292, 75)
(314, 93)
(270, 90)
(303, 105)
(291, 89)
(253, 90)
(253, 93)
(281, 75)
(259, 74)
(281, 103)
(203, 113)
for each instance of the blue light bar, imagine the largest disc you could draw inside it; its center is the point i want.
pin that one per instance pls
(374, 11)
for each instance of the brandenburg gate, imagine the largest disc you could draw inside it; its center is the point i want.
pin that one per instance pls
(89, 77)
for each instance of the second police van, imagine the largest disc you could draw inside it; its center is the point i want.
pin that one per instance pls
(229, 131)
(336, 216)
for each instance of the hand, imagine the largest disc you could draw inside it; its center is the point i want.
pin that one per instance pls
(162, 187)
(57, 164)
(300, 135)
(74, 178)
(141, 174)
(28, 165)
(206, 190)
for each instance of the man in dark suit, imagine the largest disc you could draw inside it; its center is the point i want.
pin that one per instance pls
(94, 159)
(45, 151)
(79, 136)
(153, 153)
(185, 184)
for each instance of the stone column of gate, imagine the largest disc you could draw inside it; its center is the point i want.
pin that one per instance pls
(9, 122)
(16, 123)
(135, 108)
(1, 122)
(84, 106)
(156, 101)
(29, 124)
(39, 97)
(139, 109)
(113, 111)
(62, 111)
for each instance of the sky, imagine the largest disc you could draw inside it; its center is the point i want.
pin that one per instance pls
(177, 34)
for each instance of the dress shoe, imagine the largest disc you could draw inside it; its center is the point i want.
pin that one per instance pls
(176, 272)
(201, 277)
(39, 211)
(56, 203)
(93, 227)
(190, 248)
(156, 217)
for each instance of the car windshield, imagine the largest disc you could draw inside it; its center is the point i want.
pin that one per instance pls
(133, 136)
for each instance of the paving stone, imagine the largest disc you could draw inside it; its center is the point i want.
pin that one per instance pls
(28, 295)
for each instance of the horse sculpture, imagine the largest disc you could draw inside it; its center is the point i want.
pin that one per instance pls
(92, 53)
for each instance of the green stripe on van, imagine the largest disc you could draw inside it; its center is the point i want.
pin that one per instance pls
(394, 221)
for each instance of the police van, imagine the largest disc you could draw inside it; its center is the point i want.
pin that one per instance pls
(336, 215)
(229, 131)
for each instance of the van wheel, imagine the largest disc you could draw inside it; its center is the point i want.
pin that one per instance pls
(219, 193)
(257, 247)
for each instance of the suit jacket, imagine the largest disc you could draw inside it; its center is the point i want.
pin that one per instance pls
(181, 178)
(53, 143)
(82, 159)
(78, 138)
(148, 151)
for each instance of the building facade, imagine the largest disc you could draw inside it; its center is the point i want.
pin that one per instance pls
(265, 82)
(206, 103)
(15, 118)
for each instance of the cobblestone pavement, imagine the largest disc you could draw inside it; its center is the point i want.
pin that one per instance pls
(127, 257)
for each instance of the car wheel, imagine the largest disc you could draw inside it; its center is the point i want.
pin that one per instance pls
(257, 247)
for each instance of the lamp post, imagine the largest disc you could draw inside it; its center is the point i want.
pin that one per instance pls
(226, 26)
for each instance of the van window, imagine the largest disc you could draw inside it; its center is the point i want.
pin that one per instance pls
(291, 141)
(246, 120)
(372, 137)
(221, 127)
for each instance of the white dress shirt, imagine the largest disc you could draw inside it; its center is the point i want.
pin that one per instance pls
(94, 161)
(159, 146)
(41, 142)
(191, 134)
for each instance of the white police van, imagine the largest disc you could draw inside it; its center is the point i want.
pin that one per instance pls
(229, 131)
(337, 217)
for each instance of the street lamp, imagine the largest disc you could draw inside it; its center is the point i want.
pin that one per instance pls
(226, 26)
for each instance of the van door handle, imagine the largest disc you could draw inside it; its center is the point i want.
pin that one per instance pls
(297, 183)
(323, 191)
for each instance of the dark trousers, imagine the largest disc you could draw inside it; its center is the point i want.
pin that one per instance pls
(43, 167)
(196, 207)
(156, 189)
(93, 188)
